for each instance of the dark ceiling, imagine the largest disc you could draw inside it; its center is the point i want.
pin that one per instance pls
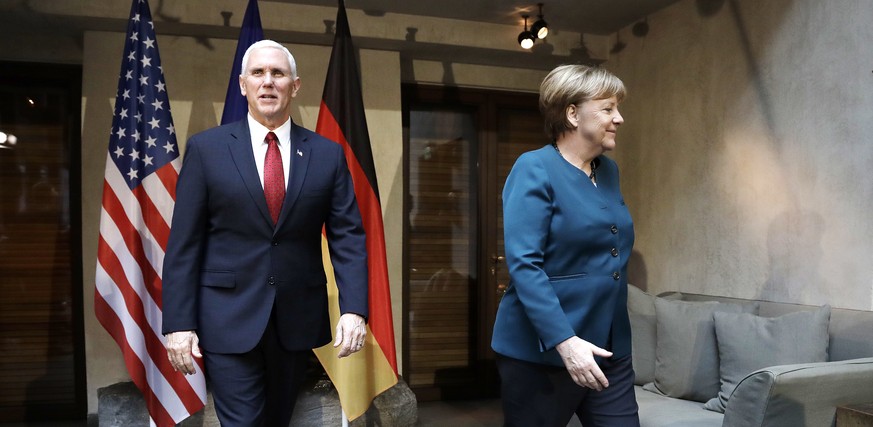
(602, 17)
(582, 16)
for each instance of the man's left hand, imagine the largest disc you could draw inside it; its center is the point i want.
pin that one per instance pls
(351, 332)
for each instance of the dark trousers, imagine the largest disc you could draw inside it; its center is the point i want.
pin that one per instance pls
(258, 388)
(539, 395)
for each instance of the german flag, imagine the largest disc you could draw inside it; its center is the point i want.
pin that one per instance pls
(364, 375)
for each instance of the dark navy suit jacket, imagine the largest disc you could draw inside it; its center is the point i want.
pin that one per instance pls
(227, 265)
(567, 248)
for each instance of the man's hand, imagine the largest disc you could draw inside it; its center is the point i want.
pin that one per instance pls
(578, 356)
(351, 331)
(180, 347)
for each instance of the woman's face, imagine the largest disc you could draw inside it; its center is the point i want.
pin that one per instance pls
(598, 121)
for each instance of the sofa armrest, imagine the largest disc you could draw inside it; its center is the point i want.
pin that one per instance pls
(799, 395)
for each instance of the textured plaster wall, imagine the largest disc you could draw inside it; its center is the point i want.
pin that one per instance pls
(747, 149)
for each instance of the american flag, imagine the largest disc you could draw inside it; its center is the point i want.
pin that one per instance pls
(139, 190)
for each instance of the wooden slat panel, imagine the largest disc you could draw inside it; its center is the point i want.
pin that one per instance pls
(36, 339)
(439, 247)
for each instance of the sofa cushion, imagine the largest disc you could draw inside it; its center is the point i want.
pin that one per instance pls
(747, 343)
(686, 361)
(657, 410)
(641, 310)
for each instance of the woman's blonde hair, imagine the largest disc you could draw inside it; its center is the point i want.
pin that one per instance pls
(574, 84)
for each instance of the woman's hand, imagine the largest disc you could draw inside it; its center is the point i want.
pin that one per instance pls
(578, 356)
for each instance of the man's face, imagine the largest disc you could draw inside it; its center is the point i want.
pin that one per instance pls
(268, 86)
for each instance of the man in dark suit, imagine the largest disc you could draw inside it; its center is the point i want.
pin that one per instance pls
(243, 277)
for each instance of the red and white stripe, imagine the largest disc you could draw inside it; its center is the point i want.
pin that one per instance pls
(134, 229)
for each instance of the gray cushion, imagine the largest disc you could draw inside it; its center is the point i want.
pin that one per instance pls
(747, 343)
(641, 309)
(686, 361)
(659, 411)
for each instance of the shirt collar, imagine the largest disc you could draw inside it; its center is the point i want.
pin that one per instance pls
(259, 131)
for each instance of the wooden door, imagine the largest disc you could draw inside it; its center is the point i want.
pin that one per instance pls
(460, 146)
(42, 374)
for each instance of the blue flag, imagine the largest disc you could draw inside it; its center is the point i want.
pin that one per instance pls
(235, 105)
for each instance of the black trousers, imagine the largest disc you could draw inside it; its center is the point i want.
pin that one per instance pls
(258, 388)
(540, 395)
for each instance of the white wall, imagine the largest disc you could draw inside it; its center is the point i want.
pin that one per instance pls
(747, 149)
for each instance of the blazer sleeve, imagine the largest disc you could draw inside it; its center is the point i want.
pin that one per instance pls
(528, 209)
(181, 270)
(347, 242)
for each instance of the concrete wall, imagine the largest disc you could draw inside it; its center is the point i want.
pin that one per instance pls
(747, 148)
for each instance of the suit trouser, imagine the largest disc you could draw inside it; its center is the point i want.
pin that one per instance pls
(257, 388)
(534, 394)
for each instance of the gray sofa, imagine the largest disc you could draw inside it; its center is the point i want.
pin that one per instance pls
(690, 352)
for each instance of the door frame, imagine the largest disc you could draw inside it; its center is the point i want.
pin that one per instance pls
(483, 307)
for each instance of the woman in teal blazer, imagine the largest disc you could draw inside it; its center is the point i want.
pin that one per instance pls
(562, 331)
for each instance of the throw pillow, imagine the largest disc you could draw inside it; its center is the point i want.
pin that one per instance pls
(641, 310)
(686, 361)
(747, 343)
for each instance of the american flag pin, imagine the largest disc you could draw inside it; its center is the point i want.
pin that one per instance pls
(299, 153)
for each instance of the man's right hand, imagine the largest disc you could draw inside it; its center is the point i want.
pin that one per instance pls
(180, 348)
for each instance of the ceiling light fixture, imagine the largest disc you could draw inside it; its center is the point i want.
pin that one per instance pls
(525, 38)
(641, 29)
(540, 29)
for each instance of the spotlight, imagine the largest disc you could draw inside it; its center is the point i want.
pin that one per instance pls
(641, 29)
(525, 38)
(540, 28)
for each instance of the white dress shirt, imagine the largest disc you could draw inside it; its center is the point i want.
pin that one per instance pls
(259, 145)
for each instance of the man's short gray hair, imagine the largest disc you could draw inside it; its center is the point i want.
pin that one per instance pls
(272, 45)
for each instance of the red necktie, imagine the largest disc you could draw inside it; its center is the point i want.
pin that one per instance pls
(274, 177)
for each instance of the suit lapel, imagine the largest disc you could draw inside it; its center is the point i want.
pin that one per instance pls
(299, 152)
(244, 158)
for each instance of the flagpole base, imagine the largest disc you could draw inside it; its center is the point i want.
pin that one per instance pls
(318, 404)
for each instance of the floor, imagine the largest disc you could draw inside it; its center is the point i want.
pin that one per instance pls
(459, 413)
(465, 413)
